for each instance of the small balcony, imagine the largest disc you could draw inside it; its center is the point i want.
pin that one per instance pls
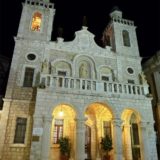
(88, 86)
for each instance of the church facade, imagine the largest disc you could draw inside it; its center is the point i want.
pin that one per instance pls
(77, 90)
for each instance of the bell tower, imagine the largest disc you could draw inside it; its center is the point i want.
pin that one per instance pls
(120, 34)
(36, 20)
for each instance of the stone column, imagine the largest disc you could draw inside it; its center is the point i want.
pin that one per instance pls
(45, 144)
(72, 135)
(35, 152)
(143, 126)
(98, 136)
(149, 141)
(80, 136)
(127, 141)
(117, 138)
(93, 140)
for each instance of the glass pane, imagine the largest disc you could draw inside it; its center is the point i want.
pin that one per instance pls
(135, 134)
(126, 39)
(36, 22)
(136, 154)
(20, 130)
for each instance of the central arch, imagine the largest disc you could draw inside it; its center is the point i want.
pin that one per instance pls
(98, 124)
(63, 125)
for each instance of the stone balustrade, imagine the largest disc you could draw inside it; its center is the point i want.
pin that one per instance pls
(124, 21)
(94, 86)
(39, 3)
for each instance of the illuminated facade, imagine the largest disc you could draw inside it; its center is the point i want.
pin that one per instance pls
(75, 89)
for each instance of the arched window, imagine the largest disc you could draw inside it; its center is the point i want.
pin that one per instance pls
(28, 77)
(36, 21)
(126, 39)
(135, 142)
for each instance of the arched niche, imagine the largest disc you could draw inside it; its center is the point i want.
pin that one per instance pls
(61, 67)
(98, 124)
(84, 67)
(106, 73)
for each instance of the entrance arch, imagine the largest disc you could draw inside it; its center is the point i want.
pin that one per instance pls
(131, 135)
(98, 124)
(63, 125)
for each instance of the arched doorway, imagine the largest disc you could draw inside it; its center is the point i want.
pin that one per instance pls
(131, 135)
(98, 124)
(63, 125)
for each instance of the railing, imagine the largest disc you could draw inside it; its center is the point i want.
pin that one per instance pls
(95, 86)
(39, 3)
(68, 82)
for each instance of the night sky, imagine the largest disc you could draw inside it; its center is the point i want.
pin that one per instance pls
(69, 15)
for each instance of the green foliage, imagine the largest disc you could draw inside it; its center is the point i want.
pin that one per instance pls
(106, 143)
(64, 146)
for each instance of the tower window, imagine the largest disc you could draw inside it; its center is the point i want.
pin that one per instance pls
(20, 130)
(28, 77)
(126, 39)
(36, 21)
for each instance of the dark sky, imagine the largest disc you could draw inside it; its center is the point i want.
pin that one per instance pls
(70, 13)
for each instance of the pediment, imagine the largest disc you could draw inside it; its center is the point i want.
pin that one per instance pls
(84, 39)
(83, 43)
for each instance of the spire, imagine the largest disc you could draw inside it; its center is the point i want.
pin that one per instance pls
(60, 32)
(116, 12)
(85, 21)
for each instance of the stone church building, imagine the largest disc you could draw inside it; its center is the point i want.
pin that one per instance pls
(75, 89)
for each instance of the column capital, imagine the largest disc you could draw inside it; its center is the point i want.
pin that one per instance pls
(80, 119)
(126, 125)
(147, 124)
(117, 122)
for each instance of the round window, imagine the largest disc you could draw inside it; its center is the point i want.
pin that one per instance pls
(130, 70)
(31, 56)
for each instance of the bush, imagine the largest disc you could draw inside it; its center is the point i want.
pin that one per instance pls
(106, 143)
(64, 146)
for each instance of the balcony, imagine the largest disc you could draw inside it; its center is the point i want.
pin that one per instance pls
(88, 86)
